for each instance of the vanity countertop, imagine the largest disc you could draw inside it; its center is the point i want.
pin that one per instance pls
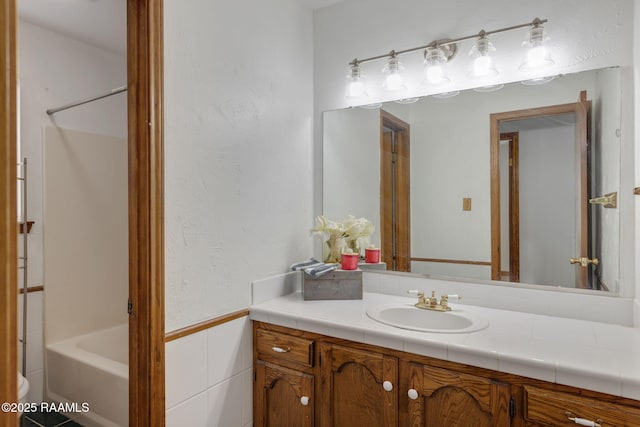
(591, 355)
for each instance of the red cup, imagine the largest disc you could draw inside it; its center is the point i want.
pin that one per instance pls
(350, 261)
(372, 255)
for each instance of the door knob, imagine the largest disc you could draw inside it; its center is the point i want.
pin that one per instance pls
(584, 261)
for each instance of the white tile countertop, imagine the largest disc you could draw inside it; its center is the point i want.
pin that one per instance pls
(596, 356)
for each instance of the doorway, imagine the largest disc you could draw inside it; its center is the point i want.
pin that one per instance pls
(146, 202)
(395, 218)
(546, 199)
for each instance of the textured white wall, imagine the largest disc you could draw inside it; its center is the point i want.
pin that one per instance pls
(238, 130)
(583, 36)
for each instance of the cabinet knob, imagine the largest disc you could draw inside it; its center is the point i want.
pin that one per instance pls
(387, 386)
(304, 400)
(413, 393)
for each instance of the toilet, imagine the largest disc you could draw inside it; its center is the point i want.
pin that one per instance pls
(23, 389)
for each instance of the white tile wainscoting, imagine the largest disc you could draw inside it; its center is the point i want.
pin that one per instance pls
(209, 377)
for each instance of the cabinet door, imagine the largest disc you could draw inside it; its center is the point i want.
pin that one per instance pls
(442, 398)
(282, 397)
(359, 388)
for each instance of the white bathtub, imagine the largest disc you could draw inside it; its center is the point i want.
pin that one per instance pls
(92, 368)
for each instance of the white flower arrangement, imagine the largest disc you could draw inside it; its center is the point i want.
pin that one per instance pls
(353, 233)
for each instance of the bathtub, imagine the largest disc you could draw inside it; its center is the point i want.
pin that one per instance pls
(92, 368)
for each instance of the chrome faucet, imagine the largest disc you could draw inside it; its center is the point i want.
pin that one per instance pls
(431, 303)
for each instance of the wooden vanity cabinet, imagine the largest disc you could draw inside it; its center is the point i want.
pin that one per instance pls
(359, 388)
(284, 378)
(551, 408)
(306, 379)
(283, 397)
(439, 397)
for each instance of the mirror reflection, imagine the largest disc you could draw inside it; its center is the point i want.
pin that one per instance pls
(487, 185)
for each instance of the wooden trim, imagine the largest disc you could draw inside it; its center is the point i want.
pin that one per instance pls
(514, 205)
(451, 261)
(29, 227)
(583, 137)
(146, 212)
(8, 209)
(32, 289)
(636, 191)
(207, 324)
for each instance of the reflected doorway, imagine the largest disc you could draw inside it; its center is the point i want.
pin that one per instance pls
(395, 218)
(539, 195)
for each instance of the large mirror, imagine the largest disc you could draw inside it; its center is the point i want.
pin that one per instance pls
(487, 185)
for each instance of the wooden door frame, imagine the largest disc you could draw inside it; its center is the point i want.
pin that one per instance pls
(514, 204)
(8, 212)
(146, 211)
(403, 227)
(145, 81)
(495, 119)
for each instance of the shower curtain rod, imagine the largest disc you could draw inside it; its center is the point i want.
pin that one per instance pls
(84, 101)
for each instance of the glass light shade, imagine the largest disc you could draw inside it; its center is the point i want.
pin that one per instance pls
(537, 81)
(445, 95)
(356, 88)
(491, 88)
(538, 56)
(393, 81)
(483, 66)
(434, 61)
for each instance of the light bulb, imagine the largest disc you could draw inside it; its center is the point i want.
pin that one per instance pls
(393, 70)
(483, 66)
(356, 88)
(434, 60)
(538, 55)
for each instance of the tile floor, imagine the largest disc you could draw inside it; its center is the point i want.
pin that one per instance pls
(46, 419)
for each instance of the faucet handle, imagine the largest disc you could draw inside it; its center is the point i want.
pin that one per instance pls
(444, 300)
(420, 295)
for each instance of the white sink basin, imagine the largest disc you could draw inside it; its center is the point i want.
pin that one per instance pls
(407, 316)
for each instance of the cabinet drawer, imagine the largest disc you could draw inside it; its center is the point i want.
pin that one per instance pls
(555, 409)
(275, 346)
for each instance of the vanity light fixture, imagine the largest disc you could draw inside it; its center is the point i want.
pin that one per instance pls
(357, 88)
(440, 52)
(538, 56)
(483, 66)
(393, 81)
(407, 100)
(538, 81)
(435, 59)
(445, 95)
(490, 88)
